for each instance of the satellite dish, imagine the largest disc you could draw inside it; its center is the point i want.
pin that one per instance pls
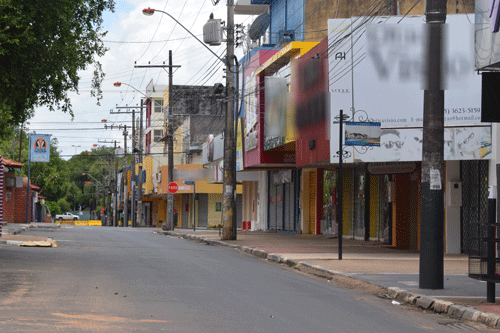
(259, 26)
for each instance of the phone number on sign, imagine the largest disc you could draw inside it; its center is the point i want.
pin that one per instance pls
(462, 110)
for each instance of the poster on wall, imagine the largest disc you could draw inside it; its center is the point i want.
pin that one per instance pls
(405, 145)
(362, 134)
(40, 147)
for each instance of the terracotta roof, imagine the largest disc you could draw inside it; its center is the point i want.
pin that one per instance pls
(33, 187)
(10, 163)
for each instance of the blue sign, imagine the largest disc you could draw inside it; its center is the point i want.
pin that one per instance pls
(40, 147)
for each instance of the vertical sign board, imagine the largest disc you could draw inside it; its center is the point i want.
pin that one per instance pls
(40, 147)
(1, 194)
(39, 151)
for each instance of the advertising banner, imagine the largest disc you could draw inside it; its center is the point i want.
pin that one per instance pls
(376, 73)
(40, 147)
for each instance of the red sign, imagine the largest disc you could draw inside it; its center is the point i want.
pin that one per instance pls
(173, 187)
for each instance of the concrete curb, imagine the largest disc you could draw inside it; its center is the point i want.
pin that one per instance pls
(403, 296)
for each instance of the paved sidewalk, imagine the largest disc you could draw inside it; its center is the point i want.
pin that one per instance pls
(12, 232)
(394, 270)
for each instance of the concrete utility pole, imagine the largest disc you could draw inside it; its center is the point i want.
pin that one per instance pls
(140, 213)
(124, 179)
(170, 134)
(229, 181)
(432, 202)
(170, 145)
(132, 181)
(132, 176)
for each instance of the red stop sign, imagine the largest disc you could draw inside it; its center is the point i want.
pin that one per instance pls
(173, 187)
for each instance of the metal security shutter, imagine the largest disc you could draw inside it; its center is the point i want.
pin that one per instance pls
(202, 210)
(312, 203)
(272, 205)
(239, 210)
(290, 207)
(279, 207)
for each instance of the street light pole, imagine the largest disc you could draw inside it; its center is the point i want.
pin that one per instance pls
(229, 180)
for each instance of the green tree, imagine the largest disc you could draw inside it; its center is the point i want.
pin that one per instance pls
(43, 46)
(64, 205)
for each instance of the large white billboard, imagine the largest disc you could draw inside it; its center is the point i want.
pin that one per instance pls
(379, 74)
(487, 41)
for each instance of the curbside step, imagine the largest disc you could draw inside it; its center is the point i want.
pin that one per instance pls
(456, 311)
(424, 302)
(441, 306)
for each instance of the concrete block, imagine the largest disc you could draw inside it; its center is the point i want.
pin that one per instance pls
(393, 292)
(441, 306)
(274, 257)
(403, 296)
(259, 253)
(471, 314)
(246, 249)
(456, 311)
(424, 302)
(489, 319)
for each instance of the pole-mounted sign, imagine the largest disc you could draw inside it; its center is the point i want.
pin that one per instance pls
(173, 187)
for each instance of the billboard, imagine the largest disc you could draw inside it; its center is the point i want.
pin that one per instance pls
(376, 71)
(487, 37)
(40, 147)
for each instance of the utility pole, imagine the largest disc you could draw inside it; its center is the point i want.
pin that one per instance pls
(229, 181)
(132, 176)
(170, 145)
(124, 179)
(104, 219)
(115, 187)
(432, 202)
(132, 181)
(139, 179)
(170, 138)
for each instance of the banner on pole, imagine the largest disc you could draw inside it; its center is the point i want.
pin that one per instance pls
(40, 147)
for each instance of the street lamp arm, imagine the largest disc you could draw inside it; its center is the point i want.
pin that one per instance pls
(151, 11)
(118, 84)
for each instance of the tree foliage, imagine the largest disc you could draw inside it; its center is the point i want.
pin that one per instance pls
(43, 46)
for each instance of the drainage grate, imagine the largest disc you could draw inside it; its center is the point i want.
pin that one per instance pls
(459, 326)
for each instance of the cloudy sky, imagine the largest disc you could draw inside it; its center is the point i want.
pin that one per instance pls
(134, 38)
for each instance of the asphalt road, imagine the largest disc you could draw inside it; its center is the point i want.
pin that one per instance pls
(133, 280)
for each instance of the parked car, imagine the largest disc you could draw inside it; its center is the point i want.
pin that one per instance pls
(67, 217)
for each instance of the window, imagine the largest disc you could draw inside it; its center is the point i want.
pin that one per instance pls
(158, 105)
(158, 134)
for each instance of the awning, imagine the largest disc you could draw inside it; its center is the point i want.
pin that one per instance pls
(291, 51)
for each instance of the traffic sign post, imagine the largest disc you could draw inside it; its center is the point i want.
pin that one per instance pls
(173, 187)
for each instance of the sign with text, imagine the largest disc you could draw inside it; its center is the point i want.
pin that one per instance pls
(40, 147)
(173, 187)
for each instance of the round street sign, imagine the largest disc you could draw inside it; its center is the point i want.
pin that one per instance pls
(173, 187)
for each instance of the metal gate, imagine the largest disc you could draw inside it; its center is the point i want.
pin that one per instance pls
(282, 207)
(474, 175)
